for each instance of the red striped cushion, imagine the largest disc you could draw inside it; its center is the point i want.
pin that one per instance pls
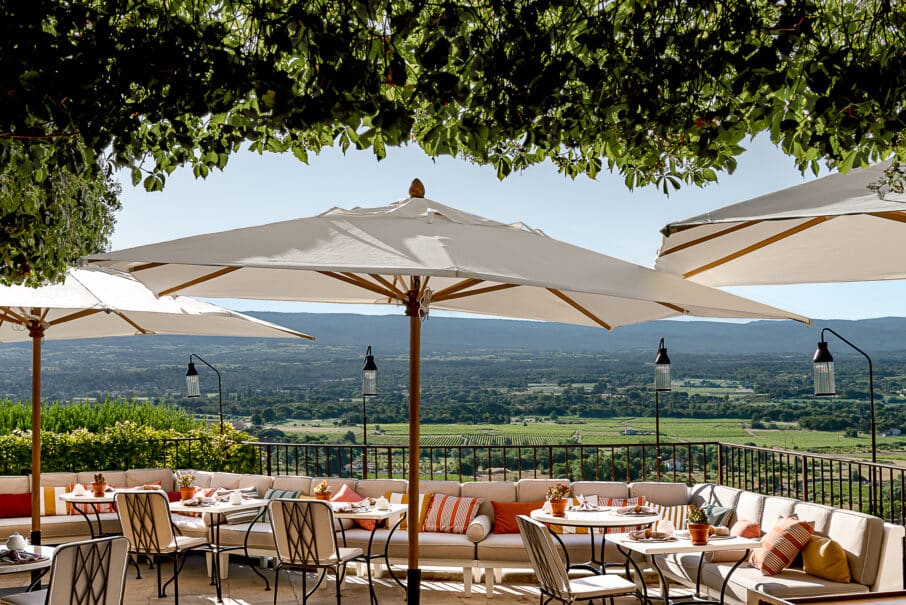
(450, 514)
(620, 502)
(781, 545)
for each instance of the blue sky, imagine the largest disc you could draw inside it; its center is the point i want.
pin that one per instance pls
(598, 214)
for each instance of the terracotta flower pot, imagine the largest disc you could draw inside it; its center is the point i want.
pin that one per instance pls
(323, 495)
(98, 489)
(187, 493)
(558, 507)
(698, 533)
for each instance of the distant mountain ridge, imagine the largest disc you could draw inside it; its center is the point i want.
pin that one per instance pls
(389, 332)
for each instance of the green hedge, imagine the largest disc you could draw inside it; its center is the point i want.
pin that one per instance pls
(127, 445)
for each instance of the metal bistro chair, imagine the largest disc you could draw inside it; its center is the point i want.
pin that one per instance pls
(92, 572)
(306, 539)
(553, 578)
(145, 517)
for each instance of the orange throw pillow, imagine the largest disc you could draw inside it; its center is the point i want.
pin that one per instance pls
(505, 515)
(746, 529)
(781, 545)
(347, 494)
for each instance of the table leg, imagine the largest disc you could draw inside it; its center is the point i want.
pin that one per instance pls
(245, 546)
(79, 508)
(723, 587)
(368, 557)
(387, 552)
(215, 564)
(643, 593)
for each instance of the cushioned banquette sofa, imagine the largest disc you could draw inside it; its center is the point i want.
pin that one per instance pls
(873, 548)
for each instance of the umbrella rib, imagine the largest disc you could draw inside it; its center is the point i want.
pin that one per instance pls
(891, 216)
(131, 323)
(466, 283)
(138, 268)
(76, 315)
(484, 290)
(673, 307)
(197, 280)
(386, 283)
(707, 238)
(11, 316)
(356, 280)
(758, 245)
(580, 308)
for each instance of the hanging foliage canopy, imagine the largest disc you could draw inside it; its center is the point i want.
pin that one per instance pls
(660, 91)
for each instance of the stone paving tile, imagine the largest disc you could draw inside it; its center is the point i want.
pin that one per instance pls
(245, 588)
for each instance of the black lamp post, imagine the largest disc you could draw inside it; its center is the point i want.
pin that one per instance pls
(193, 389)
(369, 389)
(661, 385)
(825, 384)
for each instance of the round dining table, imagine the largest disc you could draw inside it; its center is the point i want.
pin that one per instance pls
(593, 518)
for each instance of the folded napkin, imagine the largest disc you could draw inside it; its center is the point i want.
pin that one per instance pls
(19, 556)
(79, 490)
(631, 509)
(720, 530)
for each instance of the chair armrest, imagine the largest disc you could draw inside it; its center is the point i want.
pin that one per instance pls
(479, 528)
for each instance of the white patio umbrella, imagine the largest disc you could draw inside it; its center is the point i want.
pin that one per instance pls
(97, 302)
(420, 254)
(832, 229)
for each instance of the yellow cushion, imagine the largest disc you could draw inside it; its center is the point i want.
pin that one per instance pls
(424, 501)
(824, 558)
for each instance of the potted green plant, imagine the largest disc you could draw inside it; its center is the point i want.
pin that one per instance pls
(322, 491)
(186, 485)
(99, 486)
(558, 496)
(698, 526)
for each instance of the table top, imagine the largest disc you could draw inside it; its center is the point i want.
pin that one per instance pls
(46, 551)
(372, 513)
(600, 518)
(88, 498)
(682, 545)
(219, 508)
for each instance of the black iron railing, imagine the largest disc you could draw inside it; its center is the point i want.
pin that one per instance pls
(836, 481)
(686, 462)
(841, 482)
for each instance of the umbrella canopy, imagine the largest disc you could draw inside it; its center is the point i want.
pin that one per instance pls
(423, 255)
(832, 229)
(95, 302)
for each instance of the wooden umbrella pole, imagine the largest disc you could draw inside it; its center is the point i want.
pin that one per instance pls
(36, 332)
(413, 575)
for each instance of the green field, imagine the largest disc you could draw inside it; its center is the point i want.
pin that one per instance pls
(611, 431)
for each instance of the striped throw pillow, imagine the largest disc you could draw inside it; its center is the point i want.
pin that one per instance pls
(450, 514)
(50, 500)
(781, 545)
(676, 514)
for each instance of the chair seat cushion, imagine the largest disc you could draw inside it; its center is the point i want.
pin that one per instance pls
(35, 597)
(599, 586)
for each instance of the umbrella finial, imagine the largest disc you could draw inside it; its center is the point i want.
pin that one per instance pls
(416, 189)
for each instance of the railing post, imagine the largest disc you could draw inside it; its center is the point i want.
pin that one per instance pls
(267, 458)
(803, 460)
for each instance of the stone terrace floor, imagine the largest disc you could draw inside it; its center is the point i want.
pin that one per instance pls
(244, 587)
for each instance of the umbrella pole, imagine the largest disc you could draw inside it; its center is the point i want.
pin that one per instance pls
(413, 575)
(36, 331)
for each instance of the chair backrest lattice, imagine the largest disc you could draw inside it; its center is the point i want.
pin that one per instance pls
(546, 561)
(89, 573)
(145, 517)
(303, 531)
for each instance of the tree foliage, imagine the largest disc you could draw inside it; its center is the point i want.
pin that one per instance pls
(660, 91)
